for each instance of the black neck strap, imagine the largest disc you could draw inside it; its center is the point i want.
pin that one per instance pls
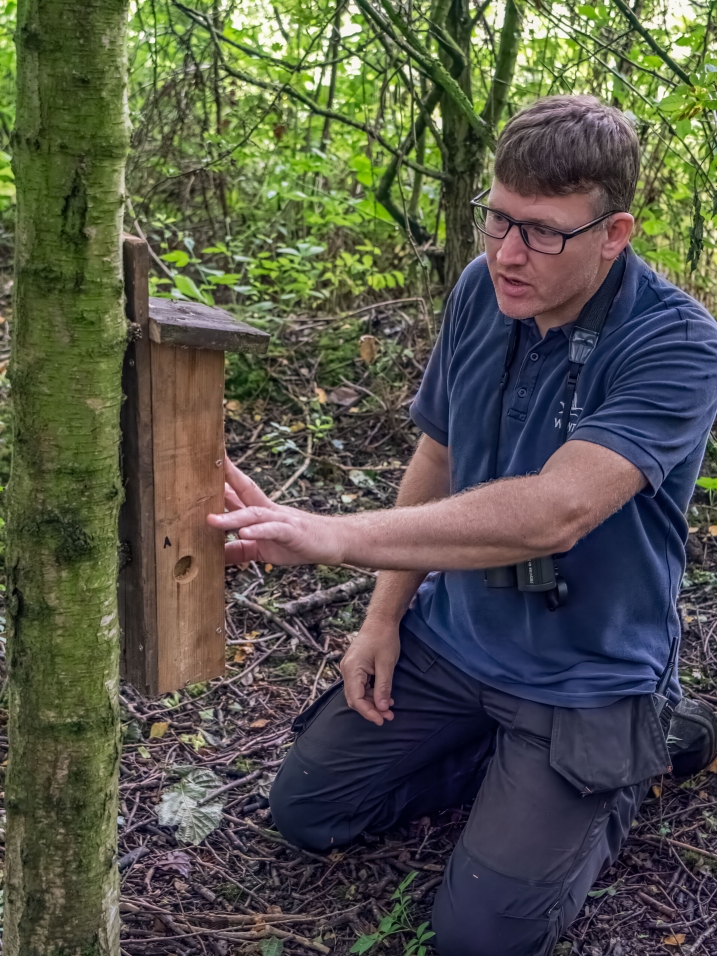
(585, 334)
(583, 340)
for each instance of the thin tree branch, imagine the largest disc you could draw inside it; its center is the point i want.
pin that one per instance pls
(281, 88)
(650, 40)
(433, 68)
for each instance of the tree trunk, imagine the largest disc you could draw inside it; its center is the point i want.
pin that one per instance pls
(69, 149)
(465, 148)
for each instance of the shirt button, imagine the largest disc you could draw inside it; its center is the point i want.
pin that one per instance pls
(522, 392)
(534, 356)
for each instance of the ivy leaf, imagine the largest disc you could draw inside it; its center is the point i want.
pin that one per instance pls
(272, 946)
(180, 806)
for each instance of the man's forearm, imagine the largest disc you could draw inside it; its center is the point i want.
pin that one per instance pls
(500, 523)
(426, 479)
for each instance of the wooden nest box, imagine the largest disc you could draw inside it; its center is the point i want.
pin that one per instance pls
(171, 582)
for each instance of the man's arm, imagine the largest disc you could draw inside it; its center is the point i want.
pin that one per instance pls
(375, 649)
(500, 523)
(427, 479)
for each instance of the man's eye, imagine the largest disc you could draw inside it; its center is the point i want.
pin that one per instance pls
(496, 218)
(543, 232)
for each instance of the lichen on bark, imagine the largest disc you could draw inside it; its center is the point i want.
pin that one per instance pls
(69, 148)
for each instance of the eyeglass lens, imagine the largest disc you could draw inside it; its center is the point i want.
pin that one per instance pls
(540, 238)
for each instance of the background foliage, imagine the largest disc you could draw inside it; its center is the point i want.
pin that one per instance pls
(263, 133)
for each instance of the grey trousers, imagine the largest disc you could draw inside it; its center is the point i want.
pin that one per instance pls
(533, 844)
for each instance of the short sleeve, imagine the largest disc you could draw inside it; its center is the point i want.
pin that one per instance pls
(429, 409)
(661, 401)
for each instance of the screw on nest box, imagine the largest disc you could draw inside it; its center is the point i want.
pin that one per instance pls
(171, 594)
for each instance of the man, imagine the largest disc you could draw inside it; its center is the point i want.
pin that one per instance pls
(461, 682)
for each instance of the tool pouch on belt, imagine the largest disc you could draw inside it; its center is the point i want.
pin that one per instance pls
(607, 748)
(692, 739)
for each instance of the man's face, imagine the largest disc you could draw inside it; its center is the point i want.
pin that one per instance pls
(529, 283)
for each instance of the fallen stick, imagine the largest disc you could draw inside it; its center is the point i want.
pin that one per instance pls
(679, 843)
(667, 911)
(335, 595)
(275, 619)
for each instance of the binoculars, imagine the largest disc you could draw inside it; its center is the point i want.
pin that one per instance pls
(536, 575)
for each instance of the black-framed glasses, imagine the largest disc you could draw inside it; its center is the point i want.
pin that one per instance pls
(535, 235)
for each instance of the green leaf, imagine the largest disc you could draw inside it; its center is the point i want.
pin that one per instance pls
(188, 287)
(588, 11)
(655, 227)
(406, 882)
(364, 943)
(180, 806)
(606, 891)
(227, 278)
(179, 257)
(272, 946)
(710, 484)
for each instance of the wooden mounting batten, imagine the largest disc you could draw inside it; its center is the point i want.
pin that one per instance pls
(171, 582)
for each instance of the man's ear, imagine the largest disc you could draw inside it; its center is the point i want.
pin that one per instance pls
(617, 234)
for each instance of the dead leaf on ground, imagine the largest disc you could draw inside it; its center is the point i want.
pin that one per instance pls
(159, 729)
(677, 939)
(320, 395)
(241, 652)
(176, 860)
(343, 395)
(713, 766)
(258, 724)
(368, 348)
(713, 529)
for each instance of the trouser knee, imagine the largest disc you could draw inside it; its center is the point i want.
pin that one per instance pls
(479, 912)
(301, 811)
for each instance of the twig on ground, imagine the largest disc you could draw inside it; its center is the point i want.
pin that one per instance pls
(334, 595)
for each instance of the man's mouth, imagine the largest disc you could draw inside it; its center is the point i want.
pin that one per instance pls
(512, 286)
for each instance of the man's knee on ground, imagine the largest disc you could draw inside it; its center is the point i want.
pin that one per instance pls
(302, 814)
(479, 912)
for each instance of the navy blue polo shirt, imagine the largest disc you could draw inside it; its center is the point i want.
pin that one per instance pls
(649, 393)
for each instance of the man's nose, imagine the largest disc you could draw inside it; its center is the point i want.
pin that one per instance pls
(512, 251)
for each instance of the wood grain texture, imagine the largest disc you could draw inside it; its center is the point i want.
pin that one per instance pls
(137, 579)
(188, 439)
(192, 325)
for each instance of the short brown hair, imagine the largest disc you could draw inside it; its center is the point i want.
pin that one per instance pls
(566, 144)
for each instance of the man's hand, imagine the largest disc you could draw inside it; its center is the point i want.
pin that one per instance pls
(373, 653)
(278, 535)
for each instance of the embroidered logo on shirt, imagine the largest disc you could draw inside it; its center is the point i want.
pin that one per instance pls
(575, 413)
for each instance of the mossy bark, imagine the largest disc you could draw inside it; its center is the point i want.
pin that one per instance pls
(69, 149)
(465, 146)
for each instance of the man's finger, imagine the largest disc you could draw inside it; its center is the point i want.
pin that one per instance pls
(357, 696)
(231, 500)
(246, 489)
(240, 552)
(279, 531)
(242, 518)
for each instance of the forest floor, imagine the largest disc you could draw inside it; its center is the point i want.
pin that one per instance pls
(333, 435)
